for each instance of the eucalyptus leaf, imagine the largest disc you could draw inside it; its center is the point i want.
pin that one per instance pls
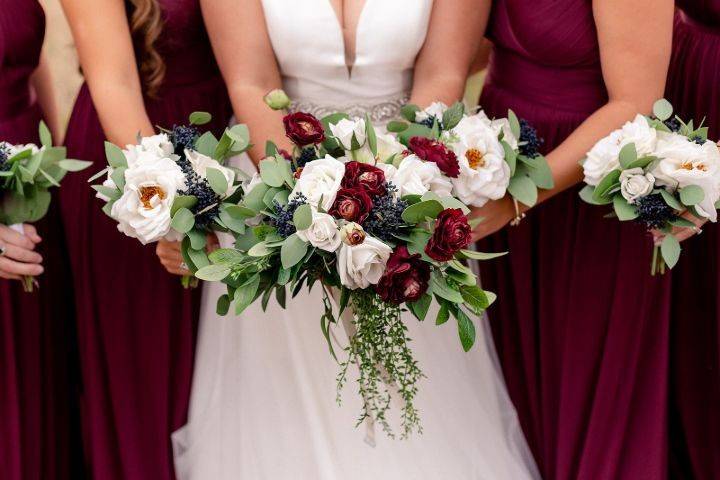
(523, 189)
(45, 135)
(514, 124)
(442, 289)
(223, 305)
(628, 155)
(510, 157)
(671, 201)
(420, 307)
(608, 183)
(200, 118)
(670, 250)
(74, 165)
(254, 198)
(453, 115)
(292, 251)
(182, 201)
(396, 126)
(662, 109)
(183, 220)
(115, 156)
(480, 255)
(302, 218)
(623, 209)
(207, 144)
(217, 181)
(475, 298)
(246, 294)
(409, 112)
(691, 195)
(420, 211)
(213, 273)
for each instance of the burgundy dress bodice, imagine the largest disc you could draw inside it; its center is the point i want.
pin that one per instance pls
(22, 27)
(557, 59)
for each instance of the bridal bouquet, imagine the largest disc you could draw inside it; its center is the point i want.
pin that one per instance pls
(486, 158)
(377, 227)
(27, 172)
(652, 170)
(174, 186)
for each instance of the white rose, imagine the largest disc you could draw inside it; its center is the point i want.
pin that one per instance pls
(387, 147)
(484, 174)
(641, 134)
(323, 233)
(415, 177)
(635, 183)
(389, 170)
(200, 164)
(503, 125)
(603, 158)
(157, 145)
(151, 184)
(683, 163)
(362, 265)
(346, 130)
(320, 180)
(436, 109)
(15, 149)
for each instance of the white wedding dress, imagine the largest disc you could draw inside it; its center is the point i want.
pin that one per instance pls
(263, 400)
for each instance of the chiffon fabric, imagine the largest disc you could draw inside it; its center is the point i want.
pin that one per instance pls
(581, 327)
(136, 323)
(263, 402)
(694, 90)
(39, 427)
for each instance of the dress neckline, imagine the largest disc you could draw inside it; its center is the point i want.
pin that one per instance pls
(338, 22)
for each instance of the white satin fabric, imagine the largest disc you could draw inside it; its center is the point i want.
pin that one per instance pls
(263, 400)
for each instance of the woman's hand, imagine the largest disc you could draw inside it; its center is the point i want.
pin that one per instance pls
(682, 233)
(170, 255)
(18, 257)
(495, 215)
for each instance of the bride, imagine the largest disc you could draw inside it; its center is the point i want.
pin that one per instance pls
(263, 401)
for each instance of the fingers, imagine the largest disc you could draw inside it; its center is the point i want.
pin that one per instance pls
(171, 257)
(13, 268)
(8, 236)
(22, 255)
(31, 233)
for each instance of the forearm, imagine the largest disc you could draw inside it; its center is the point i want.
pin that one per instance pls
(121, 110)
(43, 85)
(564, 160)
(439, 87)
(264, 124)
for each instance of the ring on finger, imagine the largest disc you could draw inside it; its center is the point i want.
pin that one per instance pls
(184, 266)
(3, 250)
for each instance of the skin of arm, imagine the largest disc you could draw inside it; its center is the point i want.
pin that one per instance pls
(452, 43)
(42, 83)
(635, 41)
(108, 61)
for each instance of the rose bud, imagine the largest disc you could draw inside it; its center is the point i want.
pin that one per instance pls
(365, 176)
(452, 233)
(352, 204)
(352, 234)
(303, 129)
(436, 152)
(405, 279)
(277, 99)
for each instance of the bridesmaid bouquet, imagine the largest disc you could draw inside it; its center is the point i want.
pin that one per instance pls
(174, 186)
(27, 172)
(377, 228)
(652, 170)
(489, 157)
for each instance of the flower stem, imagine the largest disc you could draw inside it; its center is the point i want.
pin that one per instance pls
(654, 265)
(189, 282)
(28, 283)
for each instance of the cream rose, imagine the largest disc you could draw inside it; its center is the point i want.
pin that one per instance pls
(415, 177)
(346, 130)
(436, 109)
(387, 148)
(323, 233)
(635, 183)
(362, 265)
(320, 181)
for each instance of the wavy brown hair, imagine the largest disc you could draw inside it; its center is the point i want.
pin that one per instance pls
(146, 25)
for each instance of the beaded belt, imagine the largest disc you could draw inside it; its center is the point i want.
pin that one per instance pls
(379, 112)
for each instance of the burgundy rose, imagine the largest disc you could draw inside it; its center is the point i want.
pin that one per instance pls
(405, 279)
(452, 233)
(352, 204)
(303, 129)
(285, 154)
(436, 152)
(366, 176)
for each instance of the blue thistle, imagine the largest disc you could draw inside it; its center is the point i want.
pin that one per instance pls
(698, 139)
(430, 121)
(306, 155)
(385, 218)
(183, 137)
(673, 124)
(653, 212)
(200, 188)
(530, 142)
(284, 215)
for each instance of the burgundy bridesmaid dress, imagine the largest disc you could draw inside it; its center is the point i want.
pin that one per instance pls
(580, 328)
(136, 324)
(39, 425)
(694, 90)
